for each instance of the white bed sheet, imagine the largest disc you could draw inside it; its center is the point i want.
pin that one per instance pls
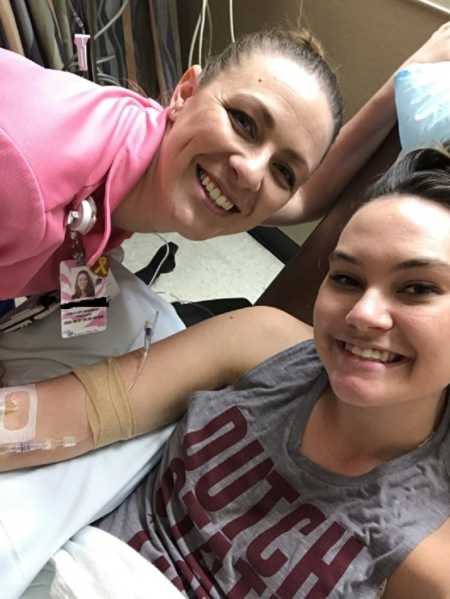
(41, 508)
(95, 565)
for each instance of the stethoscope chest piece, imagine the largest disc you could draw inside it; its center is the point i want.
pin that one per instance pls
(83, 219)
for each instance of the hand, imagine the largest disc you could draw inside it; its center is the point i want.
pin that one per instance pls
(435, 49)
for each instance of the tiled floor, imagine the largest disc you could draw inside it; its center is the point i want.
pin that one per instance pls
(232, 266)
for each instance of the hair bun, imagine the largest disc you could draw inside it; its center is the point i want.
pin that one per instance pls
(304, 37)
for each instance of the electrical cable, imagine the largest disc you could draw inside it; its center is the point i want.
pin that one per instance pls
(193, 42)
(300, 14)
(118, 14)
(199, 34)
(78, 20)
(92, 53)
(161, 264)
(210, 29)
(107, 78)
(233, 39)
(187, 302)
(104, 59)
(82, 29)
(202, 32)
(169, 293)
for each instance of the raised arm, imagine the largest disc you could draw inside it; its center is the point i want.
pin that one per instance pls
(425, 571)
(356, 142)
(209, 355)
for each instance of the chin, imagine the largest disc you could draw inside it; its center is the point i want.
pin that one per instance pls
(358, 394)
(193, 234)
(193, 229)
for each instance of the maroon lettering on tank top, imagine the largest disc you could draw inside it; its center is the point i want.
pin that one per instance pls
(270, 565)
(223, 485)
(327, 573)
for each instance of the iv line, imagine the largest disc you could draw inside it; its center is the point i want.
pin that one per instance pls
(45, 445)
(148, 335)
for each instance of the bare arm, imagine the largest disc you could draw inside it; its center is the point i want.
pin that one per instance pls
(353, 147)
(425, 572)
(356, 143)
(209, 355)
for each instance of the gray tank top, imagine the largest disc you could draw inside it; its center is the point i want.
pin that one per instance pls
(235, 510)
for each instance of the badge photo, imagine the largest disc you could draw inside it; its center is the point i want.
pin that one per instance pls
(84, 300)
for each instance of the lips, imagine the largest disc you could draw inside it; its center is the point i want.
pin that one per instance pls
(214, 193)
(373, 354)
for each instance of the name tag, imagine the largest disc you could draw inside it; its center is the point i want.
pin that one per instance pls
(85, 296)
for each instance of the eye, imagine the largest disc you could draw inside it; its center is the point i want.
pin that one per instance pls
(287, 174)
(344, 281)
(420, 289)
(243, 122)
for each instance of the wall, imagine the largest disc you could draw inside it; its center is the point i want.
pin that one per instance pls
(365, 39)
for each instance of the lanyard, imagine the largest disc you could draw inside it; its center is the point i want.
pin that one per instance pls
(80, 222)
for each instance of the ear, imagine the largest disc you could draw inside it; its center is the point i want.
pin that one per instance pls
(186, 87)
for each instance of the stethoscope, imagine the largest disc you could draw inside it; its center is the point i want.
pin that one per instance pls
(83, 219)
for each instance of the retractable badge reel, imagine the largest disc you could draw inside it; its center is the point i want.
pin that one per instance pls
(85, 290)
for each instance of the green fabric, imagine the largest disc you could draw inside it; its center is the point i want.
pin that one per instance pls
(9, 27)
(47, 32)
(61, 10)
(27, 33)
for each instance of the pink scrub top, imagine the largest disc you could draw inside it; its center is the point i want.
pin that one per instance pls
(63, 138)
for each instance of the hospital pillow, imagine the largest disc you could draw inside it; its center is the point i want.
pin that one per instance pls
(422, 97)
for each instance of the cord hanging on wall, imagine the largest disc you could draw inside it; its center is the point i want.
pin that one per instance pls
(199, 32)
(231, 13)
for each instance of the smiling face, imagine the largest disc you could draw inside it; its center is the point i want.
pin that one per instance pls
(382, 316)
(82, 281)
(239, 147)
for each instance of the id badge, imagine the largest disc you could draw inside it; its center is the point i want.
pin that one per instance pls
(85, 295)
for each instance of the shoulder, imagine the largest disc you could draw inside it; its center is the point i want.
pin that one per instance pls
(265, 320)
(218, 351)
(425, 572)
(257, 333)
(275, 322)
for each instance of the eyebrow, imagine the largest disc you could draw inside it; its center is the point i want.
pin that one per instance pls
(405, 265)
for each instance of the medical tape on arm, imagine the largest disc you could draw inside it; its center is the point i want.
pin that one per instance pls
(108, 408)
(23, 401)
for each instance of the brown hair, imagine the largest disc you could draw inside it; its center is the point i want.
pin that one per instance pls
(90, 290)
(300, 46)
(424, 172)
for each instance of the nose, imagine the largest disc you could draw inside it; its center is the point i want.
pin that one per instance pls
(371, 311)
(249, 168)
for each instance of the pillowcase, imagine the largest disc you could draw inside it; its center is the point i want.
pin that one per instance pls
(422, 97)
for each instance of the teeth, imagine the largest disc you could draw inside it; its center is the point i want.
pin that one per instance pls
(370, 354)
(214, 193)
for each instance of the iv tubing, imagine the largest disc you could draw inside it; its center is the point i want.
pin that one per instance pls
(45, 445)
(148, 335)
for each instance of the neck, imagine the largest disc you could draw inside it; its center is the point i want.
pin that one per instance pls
(138, 210)
(361, 438)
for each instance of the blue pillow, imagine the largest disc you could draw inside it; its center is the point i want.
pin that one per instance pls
(422, 97)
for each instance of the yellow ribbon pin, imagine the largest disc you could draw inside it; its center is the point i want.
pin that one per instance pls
(101, 267)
